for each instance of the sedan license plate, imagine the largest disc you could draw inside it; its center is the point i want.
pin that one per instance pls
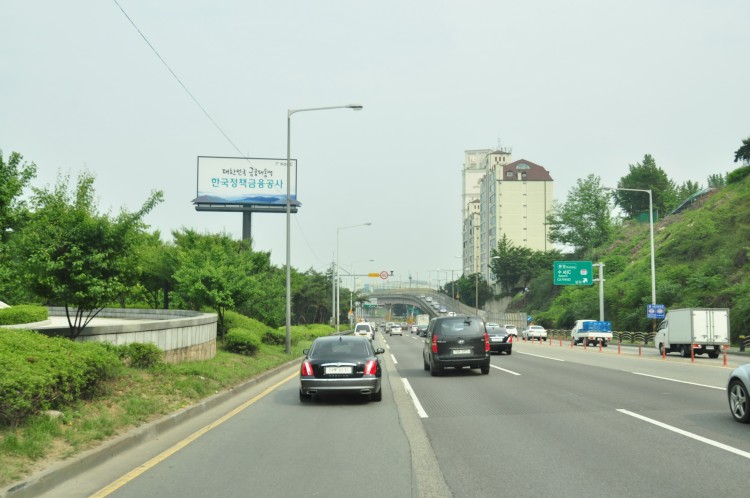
(338, 370)
(462, 351)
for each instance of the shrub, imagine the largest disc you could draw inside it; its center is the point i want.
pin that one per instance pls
(275, 337)
(41, 373)
(738, 174)
(241, 341)
(144, 355)
(23, 313)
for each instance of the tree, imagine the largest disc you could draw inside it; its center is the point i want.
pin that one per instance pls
(743, 153)
(158, 261)
(74, 256)
(645, 176)
(216, 272)
(311, 299)
(584, 221)
(509, 263)
(515, 267)
(686, 190)
(716, 180)
(14, 177)
(473, 287)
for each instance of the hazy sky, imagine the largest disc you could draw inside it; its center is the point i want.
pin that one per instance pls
(579, 87)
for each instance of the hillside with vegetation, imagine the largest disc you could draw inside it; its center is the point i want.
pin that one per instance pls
(701, 257)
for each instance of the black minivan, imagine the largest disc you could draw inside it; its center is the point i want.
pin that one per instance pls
(456, 341)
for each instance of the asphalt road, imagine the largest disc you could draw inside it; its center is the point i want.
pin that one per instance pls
(551, 420)
(548, 420)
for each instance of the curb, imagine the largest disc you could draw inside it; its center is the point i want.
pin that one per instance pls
(48, 479)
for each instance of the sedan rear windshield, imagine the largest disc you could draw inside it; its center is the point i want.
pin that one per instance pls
(341, 349)
(459, 326)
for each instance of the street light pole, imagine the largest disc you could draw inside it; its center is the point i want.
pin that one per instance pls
(289, 113)
(476, 292)
(651, 231)
(338, 285)
(453, 282)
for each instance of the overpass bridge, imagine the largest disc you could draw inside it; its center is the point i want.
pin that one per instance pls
(417, 297)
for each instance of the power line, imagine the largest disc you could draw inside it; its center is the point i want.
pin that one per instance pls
(178, 79)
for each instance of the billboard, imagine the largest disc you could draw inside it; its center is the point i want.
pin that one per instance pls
(245, 181)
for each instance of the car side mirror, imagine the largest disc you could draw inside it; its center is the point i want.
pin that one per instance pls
(306, 352)
(379, 351)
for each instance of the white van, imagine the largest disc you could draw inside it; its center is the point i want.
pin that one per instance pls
(364, 328)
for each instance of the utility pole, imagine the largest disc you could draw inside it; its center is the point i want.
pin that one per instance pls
(601, 290)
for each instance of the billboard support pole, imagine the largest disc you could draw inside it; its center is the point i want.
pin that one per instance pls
(247, 225)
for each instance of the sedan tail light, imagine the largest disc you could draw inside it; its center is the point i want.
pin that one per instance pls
(510, 338)
(371, 367)
(434, 343)
(486, 342)
(306, 370)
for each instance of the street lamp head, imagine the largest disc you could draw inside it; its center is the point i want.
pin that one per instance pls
(356, 107)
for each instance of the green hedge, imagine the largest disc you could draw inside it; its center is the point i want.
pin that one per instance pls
(41, 373)
(23, 313)
(241, 341)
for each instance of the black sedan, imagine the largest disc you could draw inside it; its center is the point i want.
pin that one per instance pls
(341, 364)
(500, 339)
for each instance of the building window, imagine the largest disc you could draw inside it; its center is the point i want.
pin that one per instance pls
(509, 174)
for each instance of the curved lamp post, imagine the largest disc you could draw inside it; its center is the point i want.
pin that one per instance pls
(289, 113)
(651, 230)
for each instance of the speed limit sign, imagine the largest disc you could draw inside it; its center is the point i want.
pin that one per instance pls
(384, 274)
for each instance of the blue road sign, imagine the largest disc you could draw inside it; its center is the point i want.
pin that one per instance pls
(658, 311)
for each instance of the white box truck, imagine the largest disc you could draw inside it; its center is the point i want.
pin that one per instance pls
(591, 332)
(705, 330)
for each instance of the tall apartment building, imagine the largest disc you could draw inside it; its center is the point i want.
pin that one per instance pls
(502, 196)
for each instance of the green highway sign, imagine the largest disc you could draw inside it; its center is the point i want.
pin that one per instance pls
(573, 273)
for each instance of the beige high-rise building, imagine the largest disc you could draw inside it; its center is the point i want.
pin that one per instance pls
(502, 196)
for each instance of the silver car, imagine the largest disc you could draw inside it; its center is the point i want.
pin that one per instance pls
(737, 392)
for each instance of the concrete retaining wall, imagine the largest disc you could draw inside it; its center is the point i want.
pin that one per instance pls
(182, 335)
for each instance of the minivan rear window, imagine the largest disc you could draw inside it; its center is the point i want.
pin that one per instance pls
(459, 326)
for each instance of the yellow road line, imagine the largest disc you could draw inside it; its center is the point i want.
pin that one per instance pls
(111, 488)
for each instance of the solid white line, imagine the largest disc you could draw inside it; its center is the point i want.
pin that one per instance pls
(504, 370)
(417, 404)
(540, 356)
(702, 439)
(680, 381)
(394, 359)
